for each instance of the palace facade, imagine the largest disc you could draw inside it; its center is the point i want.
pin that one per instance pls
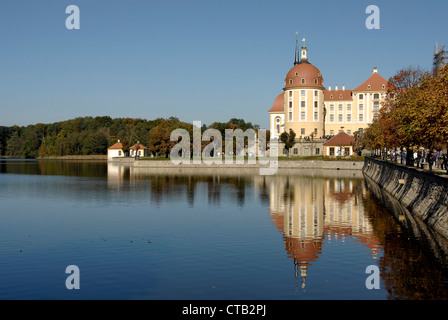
(315, 112)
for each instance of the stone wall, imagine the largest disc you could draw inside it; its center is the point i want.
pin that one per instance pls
(423, 194)
(287, 164)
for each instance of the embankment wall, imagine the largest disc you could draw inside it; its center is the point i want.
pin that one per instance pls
(423, 194)
(282, 164)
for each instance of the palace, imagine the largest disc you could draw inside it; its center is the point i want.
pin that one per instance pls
(315, 112)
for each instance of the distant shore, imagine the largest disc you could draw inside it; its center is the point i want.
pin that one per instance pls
(91, 157)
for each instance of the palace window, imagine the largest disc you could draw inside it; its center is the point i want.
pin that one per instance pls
(303, 80)
(376, 106)
(331, 107)
(278, 125)
(361, 117)
(316, 116)
(331, 117)
(340, 117)
(331, 132)
(290, 93)
(361, 107)
(290, 116)
(316, 93)
(290, 104)
(296, 151)
(315, 104)
(303, 93)
(349, 118)
(290, 81)
(317, 151)
(349, 107)
(376, 96)
(315, 81)
(340, 107)
(361, 96)
(302, 131)
(303, 104)
(302, 115)
(349, 132)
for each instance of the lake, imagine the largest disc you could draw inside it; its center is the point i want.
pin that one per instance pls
(170, 234)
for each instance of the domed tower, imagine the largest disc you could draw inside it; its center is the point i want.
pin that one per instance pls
(304, 97)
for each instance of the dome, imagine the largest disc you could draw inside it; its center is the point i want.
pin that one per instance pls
(304, 74)
(278, 105)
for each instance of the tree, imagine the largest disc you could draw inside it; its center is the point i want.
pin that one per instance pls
(288, 139)
(414, 114)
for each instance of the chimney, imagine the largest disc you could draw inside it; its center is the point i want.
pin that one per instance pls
(336, 88)
(343, 88)
(329, 88)
(375, 70)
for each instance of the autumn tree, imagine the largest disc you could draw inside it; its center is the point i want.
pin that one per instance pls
(414, 114)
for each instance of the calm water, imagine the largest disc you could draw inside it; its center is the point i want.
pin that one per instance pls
(141, 233)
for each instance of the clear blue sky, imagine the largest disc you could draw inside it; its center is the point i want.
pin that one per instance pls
(203, 60)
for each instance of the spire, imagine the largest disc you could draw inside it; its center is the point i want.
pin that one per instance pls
(296, 60)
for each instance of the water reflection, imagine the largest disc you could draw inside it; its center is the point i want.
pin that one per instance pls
(307, 206)
(311, 210)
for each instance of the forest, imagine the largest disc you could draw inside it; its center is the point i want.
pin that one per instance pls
(93, 135)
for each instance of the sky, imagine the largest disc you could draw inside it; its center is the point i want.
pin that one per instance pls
(198, 60)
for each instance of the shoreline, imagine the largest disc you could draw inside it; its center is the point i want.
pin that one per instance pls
(280, 164)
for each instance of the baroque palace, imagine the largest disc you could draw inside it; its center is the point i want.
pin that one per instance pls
(315, 113)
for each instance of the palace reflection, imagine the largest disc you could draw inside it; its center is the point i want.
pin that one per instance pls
(308, 207)
(311, 209)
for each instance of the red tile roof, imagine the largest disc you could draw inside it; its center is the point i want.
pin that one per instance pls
(337, 95)
(278, 105)
(341, 139)
(376, 83)
(139, 146)
(118, 146)
(305, 71)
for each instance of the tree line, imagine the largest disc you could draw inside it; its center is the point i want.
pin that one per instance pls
(93, 135)
(414, 114)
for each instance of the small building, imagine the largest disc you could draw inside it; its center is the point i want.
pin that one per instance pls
(115, 151)
(340, 145)
(138, 150)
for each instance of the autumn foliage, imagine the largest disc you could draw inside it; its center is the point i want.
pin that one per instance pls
(414, 113)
